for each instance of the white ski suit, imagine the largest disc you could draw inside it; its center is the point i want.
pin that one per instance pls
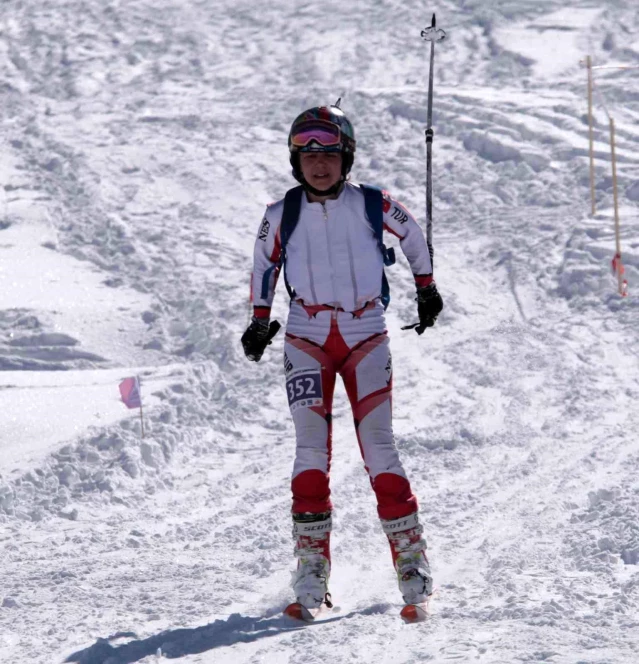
(336, 325)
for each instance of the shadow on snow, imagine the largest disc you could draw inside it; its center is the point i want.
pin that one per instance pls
(190, 641)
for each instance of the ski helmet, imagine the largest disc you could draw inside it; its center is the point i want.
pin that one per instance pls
(321, 129)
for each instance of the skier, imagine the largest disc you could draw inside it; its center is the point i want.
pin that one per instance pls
(333, 261)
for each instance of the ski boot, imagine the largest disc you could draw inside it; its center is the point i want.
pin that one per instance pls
(408, 549)
(312, 550)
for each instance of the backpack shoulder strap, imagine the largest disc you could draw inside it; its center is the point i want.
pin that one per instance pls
(290, 217)
(374, 205)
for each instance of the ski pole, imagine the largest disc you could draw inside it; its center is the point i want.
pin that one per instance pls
(432, 34)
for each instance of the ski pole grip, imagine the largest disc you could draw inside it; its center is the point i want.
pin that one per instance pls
(273, 329)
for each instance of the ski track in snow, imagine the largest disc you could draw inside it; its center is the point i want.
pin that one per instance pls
(147, 138)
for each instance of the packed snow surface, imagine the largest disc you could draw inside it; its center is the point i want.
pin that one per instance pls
(141, 141)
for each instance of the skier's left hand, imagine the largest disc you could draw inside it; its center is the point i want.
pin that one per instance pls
(429, 306)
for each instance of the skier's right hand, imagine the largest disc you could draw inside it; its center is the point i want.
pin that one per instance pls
(257, 337)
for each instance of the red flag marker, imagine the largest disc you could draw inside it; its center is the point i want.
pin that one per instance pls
(131, 396)
(130, 392)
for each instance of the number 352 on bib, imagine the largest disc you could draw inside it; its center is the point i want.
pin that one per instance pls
(304, 388)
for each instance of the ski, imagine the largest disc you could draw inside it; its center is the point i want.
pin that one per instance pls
(299, 612)
(411, 613)
(414, 613)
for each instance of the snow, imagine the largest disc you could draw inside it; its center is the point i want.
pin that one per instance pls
(70, 295)
(553, 42)
(43, 409)
(141, 142)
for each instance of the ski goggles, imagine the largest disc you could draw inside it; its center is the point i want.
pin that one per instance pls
(325, 133)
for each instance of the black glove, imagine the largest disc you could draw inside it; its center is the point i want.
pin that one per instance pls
(429, 306)
(258, 336)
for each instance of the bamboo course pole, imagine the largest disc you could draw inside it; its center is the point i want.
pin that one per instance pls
(590, 137)
(619, 266)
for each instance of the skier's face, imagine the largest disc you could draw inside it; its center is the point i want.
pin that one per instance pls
(321, 169)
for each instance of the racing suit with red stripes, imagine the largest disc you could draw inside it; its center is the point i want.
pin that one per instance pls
(336, 326)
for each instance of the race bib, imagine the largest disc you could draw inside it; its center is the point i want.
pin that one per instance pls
(304, 388)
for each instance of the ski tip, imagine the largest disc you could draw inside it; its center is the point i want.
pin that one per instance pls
(297, 611)
(414, 613)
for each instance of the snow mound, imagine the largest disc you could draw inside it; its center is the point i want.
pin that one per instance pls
(497, 149)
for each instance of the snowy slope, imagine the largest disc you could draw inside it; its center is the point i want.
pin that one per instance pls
(141, 141)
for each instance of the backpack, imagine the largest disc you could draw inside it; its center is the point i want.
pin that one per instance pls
(373, 201)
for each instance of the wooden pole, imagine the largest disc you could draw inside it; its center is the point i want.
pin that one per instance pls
(590, 137)
(616, 67)
(616, 203)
